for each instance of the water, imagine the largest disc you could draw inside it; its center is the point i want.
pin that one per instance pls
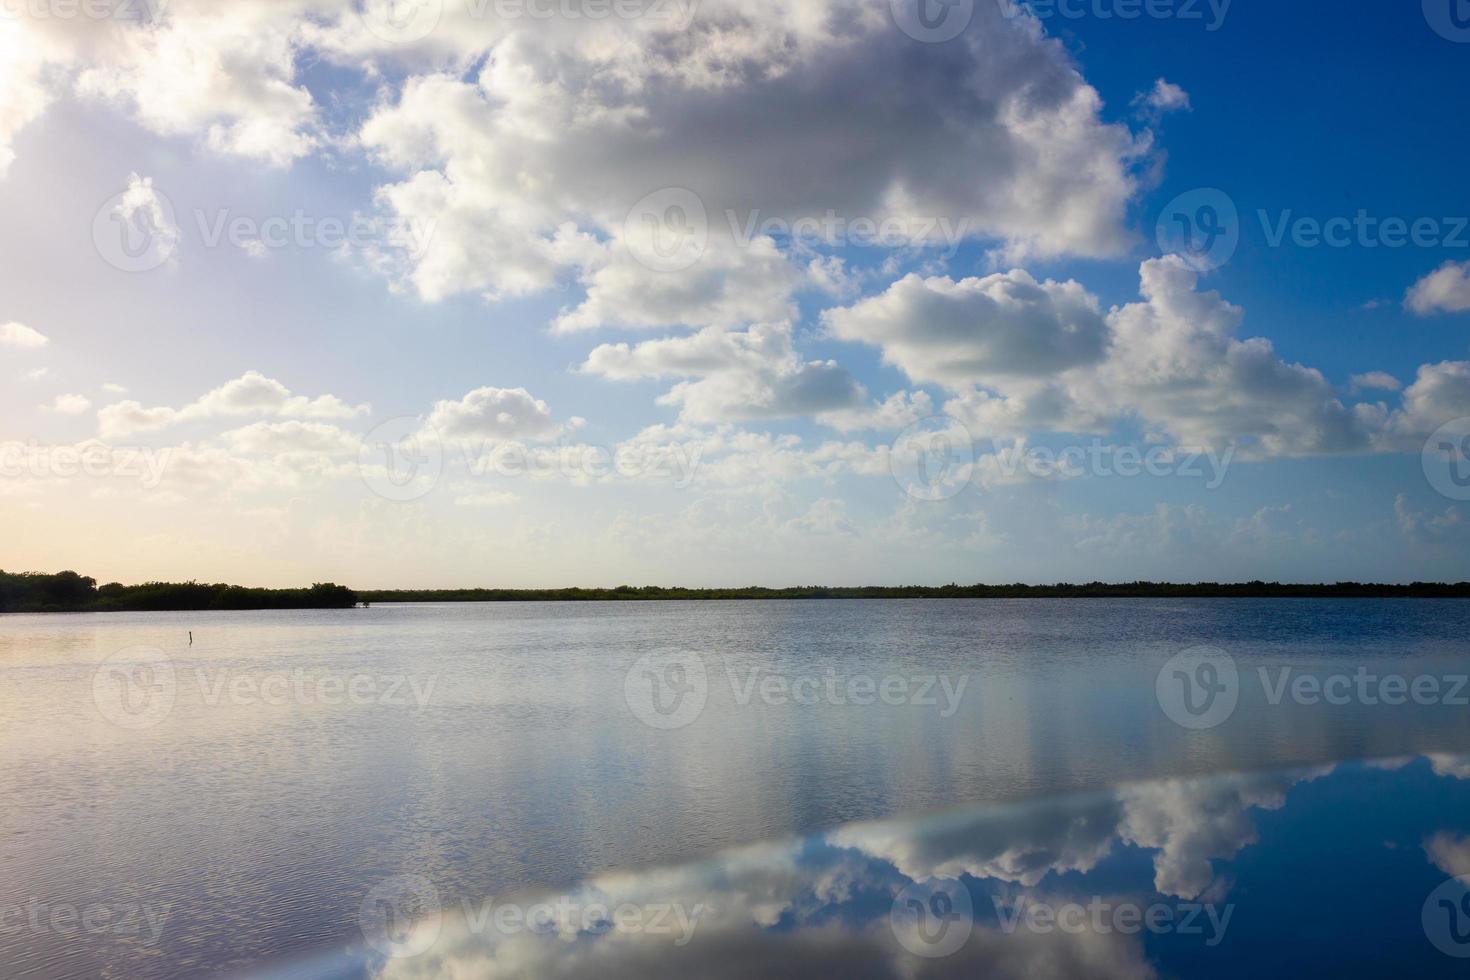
(496, 748)
(1341, 871)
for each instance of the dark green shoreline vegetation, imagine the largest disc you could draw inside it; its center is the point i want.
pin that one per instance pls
(1093, 590)
(70, 592)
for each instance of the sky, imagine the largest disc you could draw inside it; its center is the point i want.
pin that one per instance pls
(432, 293)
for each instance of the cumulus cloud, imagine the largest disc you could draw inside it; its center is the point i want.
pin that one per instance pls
(739, 374)
(494, 414)
(977, 330)
(69, 404)
(22, 337)
(1445, 290)
(998, 129)
(1448, 852)
(897, 411)
(1163, 98)
(1023, 356)
(1440, 392)
(1375, 381)
(250, 394)
(292, 436)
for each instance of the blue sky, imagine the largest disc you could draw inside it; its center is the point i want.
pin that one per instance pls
(527, 320)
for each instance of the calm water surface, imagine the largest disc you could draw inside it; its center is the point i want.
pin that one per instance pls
(258, 784)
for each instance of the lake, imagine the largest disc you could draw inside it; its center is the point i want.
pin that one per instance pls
(175, 808)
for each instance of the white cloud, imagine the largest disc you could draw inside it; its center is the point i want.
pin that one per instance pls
(748, 374)
(1445, 290)
(1163, 98)
(293, 436)
(898, 411)
(1375, 381)
(489, 498)
(494, 414)
(24, 94)
(1440, 392)
(1024, 356)
(114, 389)
(69, 404)
(250, 394)
(977, 330)
(1448, 852)
(20, 336)
(141, 207)
(998, 132)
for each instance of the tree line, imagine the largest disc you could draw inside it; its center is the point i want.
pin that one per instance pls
(71, 592)
(1093, 590)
